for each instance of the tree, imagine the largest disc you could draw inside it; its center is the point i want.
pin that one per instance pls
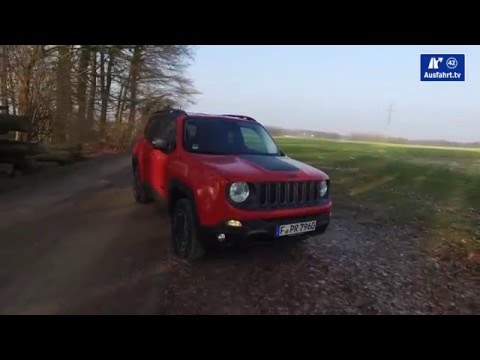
(92, 92)
(81, 128)
(75, 93)
(3, 79)
(64, 101)
(30, 86)
(135, 66)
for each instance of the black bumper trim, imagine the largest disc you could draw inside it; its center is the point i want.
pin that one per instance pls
(261, 229)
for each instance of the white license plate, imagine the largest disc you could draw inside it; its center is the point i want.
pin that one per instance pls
(297, 228)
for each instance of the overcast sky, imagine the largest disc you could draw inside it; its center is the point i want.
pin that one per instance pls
(340, 89)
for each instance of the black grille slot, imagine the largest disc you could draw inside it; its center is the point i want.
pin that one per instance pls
(316, 190)
(302, 198)
(283, 193)
(291, 192)
(262, 194)
(308, 191)
(288, 194)
(273, 193)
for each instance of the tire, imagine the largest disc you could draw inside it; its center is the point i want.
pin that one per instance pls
(322, 229)
(185, 231)
(140, 194)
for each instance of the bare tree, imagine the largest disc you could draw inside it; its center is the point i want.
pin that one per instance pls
(121, 101)
(92, 92)
(64, 102)
(82, 93)
(162, 80)
(109, 58)
(134, 77)
(30, 86)
(3, 79)
(76, 92)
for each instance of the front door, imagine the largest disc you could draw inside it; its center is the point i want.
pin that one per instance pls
(159, 159)
(159, 171)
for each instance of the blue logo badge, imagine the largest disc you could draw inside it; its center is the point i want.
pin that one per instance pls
(435, 67)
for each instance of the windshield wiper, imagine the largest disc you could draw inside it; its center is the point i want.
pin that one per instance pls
(209, 153)
(260, 154)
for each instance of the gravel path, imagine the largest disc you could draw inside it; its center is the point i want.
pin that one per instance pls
(92, 250)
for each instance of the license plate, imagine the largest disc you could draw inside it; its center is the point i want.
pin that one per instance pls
(297, 228)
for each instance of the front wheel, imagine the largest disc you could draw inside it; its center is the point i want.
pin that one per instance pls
(185, 234)
(321, 230)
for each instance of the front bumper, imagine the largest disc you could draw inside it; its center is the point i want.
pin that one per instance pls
(261, 229)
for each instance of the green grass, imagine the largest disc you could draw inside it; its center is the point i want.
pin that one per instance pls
(435, 189)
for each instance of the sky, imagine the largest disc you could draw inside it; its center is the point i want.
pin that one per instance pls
(340, 88)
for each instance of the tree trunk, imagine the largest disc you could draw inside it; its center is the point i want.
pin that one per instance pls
(92, 93)
(106, 90)
(24, 98)
(134, 73)
(64, 105)
(20, 148)
(102, 91)
(121, 101)
(82, 94)
(11, 91)
(3, 79)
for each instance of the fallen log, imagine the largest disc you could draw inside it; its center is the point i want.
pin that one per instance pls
(19, 148)
(63, 147)
(14, 123)
(19, 162)
(60, 157)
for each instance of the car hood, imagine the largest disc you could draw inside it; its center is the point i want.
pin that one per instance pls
(256, 167)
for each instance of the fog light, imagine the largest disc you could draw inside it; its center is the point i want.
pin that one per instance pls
(234, 223)
(221, 237)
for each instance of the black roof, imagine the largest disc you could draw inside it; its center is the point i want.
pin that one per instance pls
(174, 111)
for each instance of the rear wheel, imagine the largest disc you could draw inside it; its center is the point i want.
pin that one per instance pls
(140, 194)
(185, 232)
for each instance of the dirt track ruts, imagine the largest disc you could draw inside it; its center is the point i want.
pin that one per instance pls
(80, 245)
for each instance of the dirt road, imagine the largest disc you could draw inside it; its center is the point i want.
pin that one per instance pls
(80, 245)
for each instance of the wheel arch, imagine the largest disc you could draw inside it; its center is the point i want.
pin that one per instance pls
(177, 190)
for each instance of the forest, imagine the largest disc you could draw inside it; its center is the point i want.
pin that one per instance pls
(77, 94)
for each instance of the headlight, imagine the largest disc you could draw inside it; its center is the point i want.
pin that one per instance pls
(239, 192)
(323, 188)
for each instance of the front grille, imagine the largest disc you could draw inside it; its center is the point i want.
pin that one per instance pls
(288, 194)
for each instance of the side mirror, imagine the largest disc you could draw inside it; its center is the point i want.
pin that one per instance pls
(160, 144)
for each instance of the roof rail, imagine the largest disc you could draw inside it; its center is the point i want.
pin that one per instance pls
(170, 110)
(240, 116)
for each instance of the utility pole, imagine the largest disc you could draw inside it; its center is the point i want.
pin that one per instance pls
(390, 110)
(3, 80)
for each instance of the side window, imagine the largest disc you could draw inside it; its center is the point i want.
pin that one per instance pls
(190, 132)
(161, 127)
(170, 130)
(149, 128)
(253, 140)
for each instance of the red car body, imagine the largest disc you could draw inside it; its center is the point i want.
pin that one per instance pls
(172, 173)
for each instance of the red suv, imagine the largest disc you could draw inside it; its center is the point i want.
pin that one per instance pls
(224, 179)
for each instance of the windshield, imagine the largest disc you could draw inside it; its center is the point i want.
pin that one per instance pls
(222, 137)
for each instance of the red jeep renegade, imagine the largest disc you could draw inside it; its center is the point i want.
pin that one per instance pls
(224, 179)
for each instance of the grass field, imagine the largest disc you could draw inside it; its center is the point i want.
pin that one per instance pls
(434, 189)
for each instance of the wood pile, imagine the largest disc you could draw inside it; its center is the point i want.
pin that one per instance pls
(25, 156)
